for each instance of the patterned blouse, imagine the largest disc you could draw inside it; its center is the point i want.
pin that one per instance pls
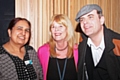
(25, 69)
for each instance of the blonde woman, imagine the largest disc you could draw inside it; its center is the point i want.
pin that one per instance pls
(60, 55)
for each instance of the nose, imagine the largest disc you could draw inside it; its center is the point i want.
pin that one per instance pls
(56, 28)
(23, 32)
(85, 21)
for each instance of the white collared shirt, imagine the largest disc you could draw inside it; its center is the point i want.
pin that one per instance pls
(96, 51)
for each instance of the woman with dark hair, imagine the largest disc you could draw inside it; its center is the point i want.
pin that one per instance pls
(18, 60)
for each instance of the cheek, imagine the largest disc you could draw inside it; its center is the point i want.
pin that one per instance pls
(52, 35)
(17, 33)
(52, 32)
(64, 30)
(28, 35)
(82, 28)
(64, 33)
(14, 34)
(95, 24)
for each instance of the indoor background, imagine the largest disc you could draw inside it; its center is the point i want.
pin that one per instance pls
(39, 12)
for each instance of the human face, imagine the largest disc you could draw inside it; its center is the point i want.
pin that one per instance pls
(20, 33)
(58, 31)
(91, 23)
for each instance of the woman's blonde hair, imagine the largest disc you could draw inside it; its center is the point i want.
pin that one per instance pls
(64, 20)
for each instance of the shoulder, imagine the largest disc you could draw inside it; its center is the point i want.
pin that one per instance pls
(28, 47)
(43, 51)
(1, 50)
(44, 46)
(75, 47)
(117, 46)
(112, 34)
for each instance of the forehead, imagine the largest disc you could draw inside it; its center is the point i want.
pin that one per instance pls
(22, 23)
(56, 23)
(93, 12)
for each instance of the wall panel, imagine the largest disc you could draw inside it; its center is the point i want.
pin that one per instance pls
(39, 12)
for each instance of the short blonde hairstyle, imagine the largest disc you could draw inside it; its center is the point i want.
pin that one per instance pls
(64, 20)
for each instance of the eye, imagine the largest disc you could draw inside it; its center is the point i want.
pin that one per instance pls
(90, 16)
(52, 27)
(81, 19)
(60, 26)
(27, 30)
(19, 28)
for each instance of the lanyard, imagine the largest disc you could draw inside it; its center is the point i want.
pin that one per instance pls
(61, 77)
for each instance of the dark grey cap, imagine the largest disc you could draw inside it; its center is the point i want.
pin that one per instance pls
(86, 9)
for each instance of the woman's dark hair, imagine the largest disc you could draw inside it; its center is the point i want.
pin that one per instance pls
(15, 20)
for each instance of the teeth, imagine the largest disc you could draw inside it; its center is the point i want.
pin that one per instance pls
(21, 37)
(86, 27)
(57, 34)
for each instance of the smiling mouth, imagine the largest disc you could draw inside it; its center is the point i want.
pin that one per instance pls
(22, 38)
(87, 27)
(58, 34)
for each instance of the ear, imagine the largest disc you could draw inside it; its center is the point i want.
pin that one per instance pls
(9, 32)
(102, 20)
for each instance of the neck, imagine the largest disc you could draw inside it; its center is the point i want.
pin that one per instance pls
(96, 39)
(14, 47)
(15, 50)
(61, 46)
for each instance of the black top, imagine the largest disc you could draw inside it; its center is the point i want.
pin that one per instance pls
(98, 72)
(24, 67)
(70, 72)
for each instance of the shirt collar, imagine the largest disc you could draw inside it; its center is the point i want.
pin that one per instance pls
(101, 46)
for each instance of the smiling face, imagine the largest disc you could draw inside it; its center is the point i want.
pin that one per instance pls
(58, 31)
(20, 33)
(91, 24)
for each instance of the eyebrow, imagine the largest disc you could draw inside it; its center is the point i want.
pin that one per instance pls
(87, 16)
(23, 27)
(91, 15)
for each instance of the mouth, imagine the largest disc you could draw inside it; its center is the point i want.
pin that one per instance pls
(87, 27)
(57, 34)
(21, 37)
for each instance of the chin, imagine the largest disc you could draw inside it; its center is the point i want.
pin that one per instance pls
(57, 39)
(21, 43)
(88, 33)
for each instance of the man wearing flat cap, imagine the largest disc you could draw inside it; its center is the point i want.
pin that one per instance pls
(99, 47)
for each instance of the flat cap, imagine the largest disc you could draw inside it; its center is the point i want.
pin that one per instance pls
(86, 9)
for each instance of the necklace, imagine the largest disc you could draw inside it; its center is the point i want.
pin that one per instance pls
(61, 49)
(63, 74)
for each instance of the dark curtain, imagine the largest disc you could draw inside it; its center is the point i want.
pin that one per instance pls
(7, 12)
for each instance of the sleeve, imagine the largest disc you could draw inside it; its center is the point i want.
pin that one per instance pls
(36, 64)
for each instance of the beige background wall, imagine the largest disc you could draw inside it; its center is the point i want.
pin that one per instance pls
(39, 13)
